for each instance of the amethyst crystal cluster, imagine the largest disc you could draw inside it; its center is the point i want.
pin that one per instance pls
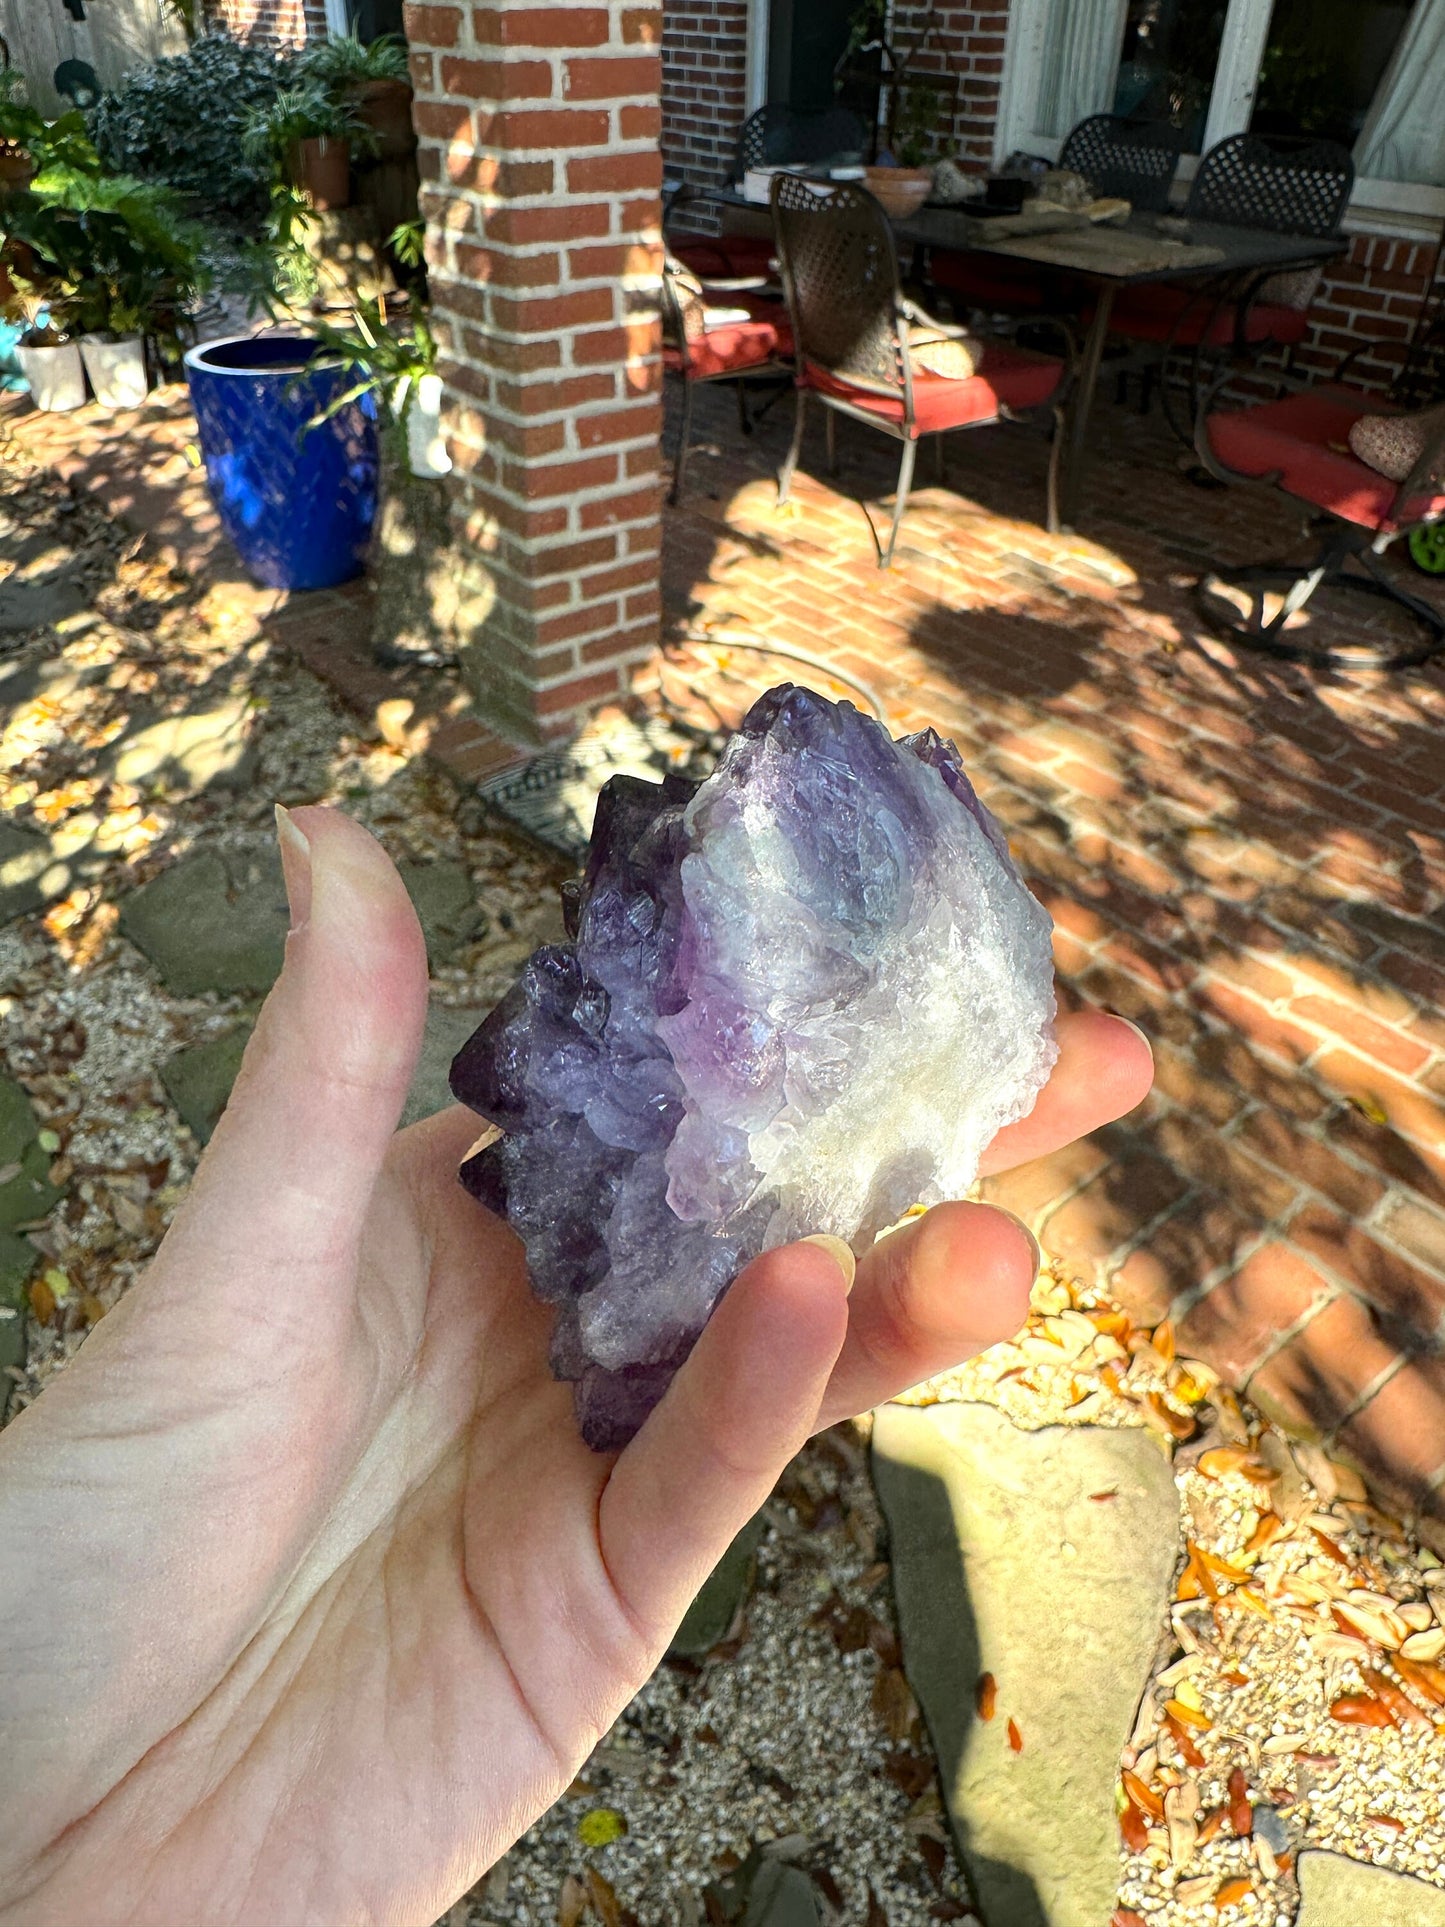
(799, 997)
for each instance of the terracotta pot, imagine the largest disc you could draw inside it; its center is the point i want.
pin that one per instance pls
(17, 170)
(385, 107)
(901, 191)
(323, 172)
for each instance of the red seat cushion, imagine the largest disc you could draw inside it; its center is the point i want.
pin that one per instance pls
(987, 280)
(1305, 438)
(726, 256)
(1008, 377)
(732, 350)
(1155, 312)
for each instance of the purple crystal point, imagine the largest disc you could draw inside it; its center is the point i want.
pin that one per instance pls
(799, 997)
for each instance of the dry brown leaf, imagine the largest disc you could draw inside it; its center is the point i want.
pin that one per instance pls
(603, 1895)
(1015, 1738)
(985, 1695)
(1404, 1709)
(1142, 1795)
(1241, 1812)
(1211, 1825)
(1163, 1341)
(1126, 1917)
(1222, 1460)
(1360, 1709)
(1133, 1828)
(42, 1301)
(1188, 1715)
(1265, 1533)
(894, 1704)
(1232, 1892)
(1386, 1822)
(1183, 1739)
(1180, 1425)
(572, 1902)
(1426, 1679)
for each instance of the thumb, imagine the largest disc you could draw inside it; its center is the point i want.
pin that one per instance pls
(288, 1174)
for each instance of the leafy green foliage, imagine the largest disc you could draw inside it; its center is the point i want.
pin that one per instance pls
(307, 111)
(183, 120)
(344, 61)
(379, 356)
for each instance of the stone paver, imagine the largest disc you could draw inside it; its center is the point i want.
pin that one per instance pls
(213, 921)
(186, 752)
(198, 1079)
(1006, 1563)
(447, 1028)
(1246, 857)
(1336, 1892)
(446, 906)
(25, 857)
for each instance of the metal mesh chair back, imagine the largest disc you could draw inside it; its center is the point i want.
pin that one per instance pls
(1286, 185)
(1134, 159)
(774, 136)
(840, 271)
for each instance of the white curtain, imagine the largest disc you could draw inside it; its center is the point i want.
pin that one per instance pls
(1082, 39)
(1403, 138)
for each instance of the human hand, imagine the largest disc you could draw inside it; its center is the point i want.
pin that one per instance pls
(314, 1600)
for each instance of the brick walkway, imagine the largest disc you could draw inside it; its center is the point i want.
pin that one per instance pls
(1247, 859)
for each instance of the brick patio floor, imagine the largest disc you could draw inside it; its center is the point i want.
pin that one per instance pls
(1246, 858)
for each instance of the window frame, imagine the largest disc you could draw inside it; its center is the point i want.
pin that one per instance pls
(1236, 78)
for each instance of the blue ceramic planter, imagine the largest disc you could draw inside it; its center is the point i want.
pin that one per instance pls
(298, 501)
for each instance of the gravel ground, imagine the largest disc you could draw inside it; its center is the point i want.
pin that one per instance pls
(797, 1734)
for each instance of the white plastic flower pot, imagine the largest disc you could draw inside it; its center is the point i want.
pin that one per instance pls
(117, 369)
(426, 449)
(56, 377)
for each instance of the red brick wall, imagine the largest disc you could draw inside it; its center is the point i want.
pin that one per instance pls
(540, 174)
(704, 82)
(286, 23)
(1374, 294)
(967, 41)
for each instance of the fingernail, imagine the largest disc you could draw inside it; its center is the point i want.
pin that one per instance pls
(295, 866)
(1141, 1034)
(1033, 1241)
(838, 1251)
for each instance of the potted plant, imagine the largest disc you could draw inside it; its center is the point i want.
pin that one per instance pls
(310, 135)
(18, 122)
(374, 79)
(50, 360)
(905, 186)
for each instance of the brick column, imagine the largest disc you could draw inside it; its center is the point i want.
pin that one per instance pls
(540, 186)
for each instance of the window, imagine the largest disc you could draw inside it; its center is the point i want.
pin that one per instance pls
(1366, 73)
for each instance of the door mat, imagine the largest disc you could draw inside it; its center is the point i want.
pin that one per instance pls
(553, 797)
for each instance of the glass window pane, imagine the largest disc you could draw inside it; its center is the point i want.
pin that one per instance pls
(1322, 63)
(1171, 49)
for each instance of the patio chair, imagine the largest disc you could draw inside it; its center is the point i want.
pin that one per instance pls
(776, 136)
(851, 330)
(1284, 185)
(1135, 160)
(750, 338)
(1301, 444)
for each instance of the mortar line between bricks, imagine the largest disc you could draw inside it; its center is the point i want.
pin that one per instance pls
(1377, 1384)
(1290, 1332)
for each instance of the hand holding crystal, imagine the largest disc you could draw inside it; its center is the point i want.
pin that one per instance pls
(314, 1597)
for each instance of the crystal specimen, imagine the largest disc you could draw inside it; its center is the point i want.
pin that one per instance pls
(800, 996)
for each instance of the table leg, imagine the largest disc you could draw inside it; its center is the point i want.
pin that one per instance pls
(1082, 405)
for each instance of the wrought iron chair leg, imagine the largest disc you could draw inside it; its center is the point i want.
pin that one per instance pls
(785, 480)
(743, 423)
(905, 482)
(830, 422)
(1051, 487)
(679, 472)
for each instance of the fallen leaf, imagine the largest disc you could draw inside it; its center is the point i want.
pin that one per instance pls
(601, 1827)
(572, 1903)
(1386, 1822)
(1142, 1795)
(893, 1703)
(1179, 1710)
(1181, 1737)
(1180, 1425)
(1126, 1917)
(985, 1695)
(1360, 1709)
(1211, 1825)
(1222, 1460)
(1403, 1708)
(1015, 1738)
(1241, 1812)
(1330, 1549)
(1133, 1828)
(1232, 1892)
(1163, 1341)
(42, 1301)
(603, 1895)
(1426, 1679)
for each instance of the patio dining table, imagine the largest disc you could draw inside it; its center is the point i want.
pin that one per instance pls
(1105, 258)
(1145, 248)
